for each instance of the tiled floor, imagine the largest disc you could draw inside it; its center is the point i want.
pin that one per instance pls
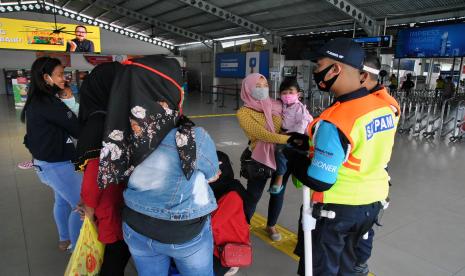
(423, 232)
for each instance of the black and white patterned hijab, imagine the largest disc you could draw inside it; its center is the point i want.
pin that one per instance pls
(145, 105)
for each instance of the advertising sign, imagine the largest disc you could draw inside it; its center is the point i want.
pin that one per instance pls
(230, 65)
(20, 86)
(434, 41)
(239, 65)
(43, 36)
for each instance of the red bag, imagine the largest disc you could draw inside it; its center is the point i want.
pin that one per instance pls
(236, 255)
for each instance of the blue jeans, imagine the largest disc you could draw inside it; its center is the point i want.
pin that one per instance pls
(66, 185)
(193, 258)
(281, 160)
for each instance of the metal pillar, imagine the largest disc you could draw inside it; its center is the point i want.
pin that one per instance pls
(355, 26)
(215, 79)
(460, 74)
(430, 73)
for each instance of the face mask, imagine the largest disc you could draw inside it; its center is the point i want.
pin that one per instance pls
(290, 98)
(319, 78)
(71, 104)
(260, 93)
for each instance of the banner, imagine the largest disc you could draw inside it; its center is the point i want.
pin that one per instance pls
(433, 41)
(230, 65)
(20, 86)
(42, 36)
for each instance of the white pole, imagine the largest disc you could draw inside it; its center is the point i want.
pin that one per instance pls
(308, 224)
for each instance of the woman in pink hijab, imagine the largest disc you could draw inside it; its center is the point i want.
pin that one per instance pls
(261, 120)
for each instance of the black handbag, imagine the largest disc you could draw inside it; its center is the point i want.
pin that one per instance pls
(251, 169)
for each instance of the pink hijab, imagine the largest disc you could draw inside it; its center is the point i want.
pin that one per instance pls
(264, 151)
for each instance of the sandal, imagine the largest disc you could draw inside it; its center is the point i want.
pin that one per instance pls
(273, 233)
(64, 245)
(232, 271)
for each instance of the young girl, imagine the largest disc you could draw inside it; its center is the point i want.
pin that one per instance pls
(295, 120)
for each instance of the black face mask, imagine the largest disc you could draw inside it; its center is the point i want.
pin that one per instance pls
(319, 78)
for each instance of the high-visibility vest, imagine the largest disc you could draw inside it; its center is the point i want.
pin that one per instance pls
(369, 123)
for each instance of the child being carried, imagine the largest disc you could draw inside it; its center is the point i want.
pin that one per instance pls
(295, 119)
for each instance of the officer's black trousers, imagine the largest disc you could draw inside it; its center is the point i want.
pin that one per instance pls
(334, 240)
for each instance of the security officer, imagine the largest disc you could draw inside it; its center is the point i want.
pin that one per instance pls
(371, 67)
(350, 144)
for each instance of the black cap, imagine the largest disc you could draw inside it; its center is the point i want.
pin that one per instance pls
(344, 50)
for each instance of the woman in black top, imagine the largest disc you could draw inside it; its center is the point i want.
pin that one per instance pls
(50, 124)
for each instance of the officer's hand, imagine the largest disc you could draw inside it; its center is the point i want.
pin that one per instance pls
(297, 163)
(298, 141)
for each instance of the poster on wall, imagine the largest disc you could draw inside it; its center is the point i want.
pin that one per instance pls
(434, 41)
(20, 86)
(63, 57)
(230, 65)
(257, 62)
(42, 36)
(240, 65)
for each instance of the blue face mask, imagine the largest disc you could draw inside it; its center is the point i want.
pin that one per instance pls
(72, 105)
(260, 93)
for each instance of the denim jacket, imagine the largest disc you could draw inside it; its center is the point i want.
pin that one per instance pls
(158, 187)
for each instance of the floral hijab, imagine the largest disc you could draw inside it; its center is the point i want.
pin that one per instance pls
(145, 105)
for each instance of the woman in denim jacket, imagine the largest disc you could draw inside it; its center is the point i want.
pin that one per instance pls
(167, 163)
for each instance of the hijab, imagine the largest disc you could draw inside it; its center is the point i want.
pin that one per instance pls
(94, 96)
(145, 105)
(264, 151)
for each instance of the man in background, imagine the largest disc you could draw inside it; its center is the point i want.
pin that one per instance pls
(80, 44)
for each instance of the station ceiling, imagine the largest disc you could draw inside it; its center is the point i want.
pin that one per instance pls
(183, 21)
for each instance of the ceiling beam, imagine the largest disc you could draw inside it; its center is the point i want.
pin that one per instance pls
(66, 4)
(366, 22)
(230, 17)
(109, 5)
(87, 7)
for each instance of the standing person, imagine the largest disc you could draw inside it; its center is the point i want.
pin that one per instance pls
(393, 83)
(166, 163)
(295, 120)
(50, 126)
(449, 88)
(439, 85)
(66, 96)
(371, 67)
(352, 141)
(80, 44)
(260, 119)
(102, 206)
(408, 85)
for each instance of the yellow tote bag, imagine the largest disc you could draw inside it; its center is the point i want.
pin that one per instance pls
(87, 257)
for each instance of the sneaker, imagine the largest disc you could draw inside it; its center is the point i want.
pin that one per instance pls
(361, 269)
(273, 233)
(26, 165)
(275, 189)
(232, 271)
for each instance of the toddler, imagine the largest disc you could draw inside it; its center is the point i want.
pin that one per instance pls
(295, 119)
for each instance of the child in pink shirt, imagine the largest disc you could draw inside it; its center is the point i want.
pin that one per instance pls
(295, 119)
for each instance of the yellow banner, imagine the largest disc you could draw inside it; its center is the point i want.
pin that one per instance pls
(43, 36)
